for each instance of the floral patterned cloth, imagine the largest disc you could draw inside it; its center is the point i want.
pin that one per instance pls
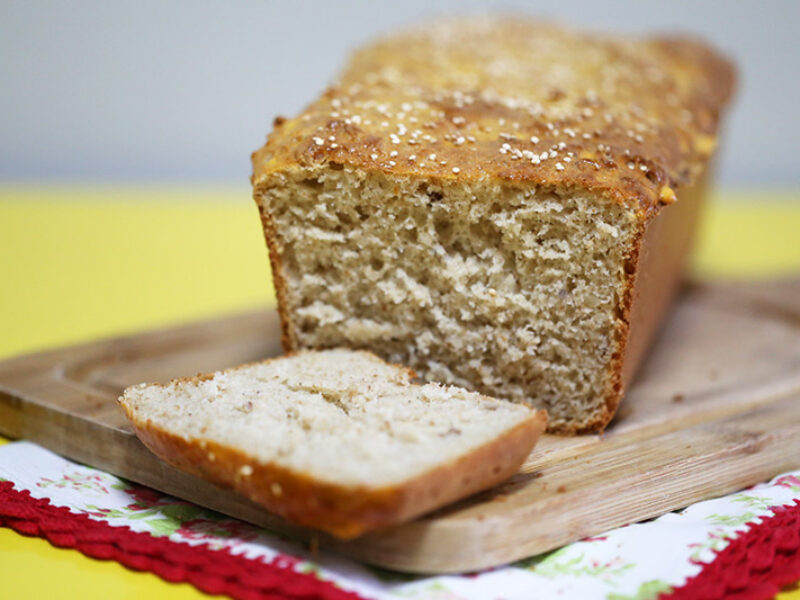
(635, 562)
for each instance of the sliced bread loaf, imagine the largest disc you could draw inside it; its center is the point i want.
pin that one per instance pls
(492, 201)
(337, 440)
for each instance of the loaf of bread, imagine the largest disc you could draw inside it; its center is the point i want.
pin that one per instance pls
(337, 440)
(498, 203)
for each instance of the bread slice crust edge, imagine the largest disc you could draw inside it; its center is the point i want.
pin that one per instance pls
(344, 511)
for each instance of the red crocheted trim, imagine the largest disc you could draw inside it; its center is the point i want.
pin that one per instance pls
(211, 571)
(753, 566)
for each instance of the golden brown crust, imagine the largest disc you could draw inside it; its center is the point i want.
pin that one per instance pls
(344, 511)
(653, 277)
(279, 281)
(517, 100)
(615, 384)
(661, 257)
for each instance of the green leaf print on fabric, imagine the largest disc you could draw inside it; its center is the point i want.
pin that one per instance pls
(163, 527)
(183, 512)
(164, 516)
(435, 590)
(309, 568)
(757, 505)
(151, 517)
(123, 513)
(94, 483)
(755, 502)
(163, 519)
(732, 520)
(717, 540)
(789, 481)
(560, 563)
(646, 591)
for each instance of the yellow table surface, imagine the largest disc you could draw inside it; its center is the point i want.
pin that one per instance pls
(80, 262)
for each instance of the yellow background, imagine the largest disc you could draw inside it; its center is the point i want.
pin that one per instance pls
(79, 262)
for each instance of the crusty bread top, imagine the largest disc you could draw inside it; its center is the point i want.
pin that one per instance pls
(517, 100)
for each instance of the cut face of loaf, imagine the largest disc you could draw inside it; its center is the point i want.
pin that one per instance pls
(493, 203)
(509, 290)
(337, 440)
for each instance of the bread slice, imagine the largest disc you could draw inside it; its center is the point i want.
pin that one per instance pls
(337, 440)
(500, 204)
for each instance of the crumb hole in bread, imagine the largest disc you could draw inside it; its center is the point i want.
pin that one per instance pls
(312, 184)
(363, 214)
(443, 228)
(345, 219)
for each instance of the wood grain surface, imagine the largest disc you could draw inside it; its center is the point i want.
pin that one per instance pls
(715, 408)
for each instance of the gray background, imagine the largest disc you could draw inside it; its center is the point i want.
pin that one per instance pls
(179, 90)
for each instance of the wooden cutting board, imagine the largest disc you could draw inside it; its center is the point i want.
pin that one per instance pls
(714, 409)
